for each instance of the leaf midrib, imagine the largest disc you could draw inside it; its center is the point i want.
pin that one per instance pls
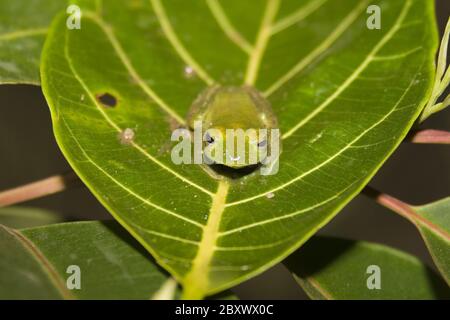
(262, 40)
(46, 266)
(196, 282)
(409, 212)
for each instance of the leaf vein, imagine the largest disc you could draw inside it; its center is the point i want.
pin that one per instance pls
(91, 161)
(163, 235)
(296, 16)
(286, 216)
(355, 74)
(176, 43)
(129, 66)
(314, 54)
(119, 130)
(223, 21)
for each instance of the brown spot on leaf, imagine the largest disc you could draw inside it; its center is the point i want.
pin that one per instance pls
(126, 136)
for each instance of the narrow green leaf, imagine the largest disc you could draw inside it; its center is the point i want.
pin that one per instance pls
(441, 80)
(34, 264)
(23, 27)
(345, 97)
(26, 217)
(332, 268)
(433, 222)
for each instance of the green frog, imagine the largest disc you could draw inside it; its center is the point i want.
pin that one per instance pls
(220, 108)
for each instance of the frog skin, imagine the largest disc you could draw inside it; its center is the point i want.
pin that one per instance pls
(227, 107)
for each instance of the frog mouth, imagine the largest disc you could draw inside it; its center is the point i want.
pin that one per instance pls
(234, 173)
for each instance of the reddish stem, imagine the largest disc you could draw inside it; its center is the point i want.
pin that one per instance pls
(39, 189)
(396, 205)
(429, 136)
(404, 209)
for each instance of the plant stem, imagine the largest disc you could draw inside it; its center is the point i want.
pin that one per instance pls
(429, 136)
(405, 210)
(402, 208)
(38, 189)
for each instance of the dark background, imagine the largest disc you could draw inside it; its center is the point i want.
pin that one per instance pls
(417, 174)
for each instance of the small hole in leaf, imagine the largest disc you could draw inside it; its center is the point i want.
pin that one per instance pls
(107, 100)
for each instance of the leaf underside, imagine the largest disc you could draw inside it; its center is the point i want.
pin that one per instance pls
(23, 27)
(345, 96)
(34, 263)
(332, 268)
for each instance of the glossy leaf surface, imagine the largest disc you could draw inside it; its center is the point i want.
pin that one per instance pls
(23, 28)
(345, 97)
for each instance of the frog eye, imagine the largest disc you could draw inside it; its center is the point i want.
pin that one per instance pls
(262, 144)
(208, 138)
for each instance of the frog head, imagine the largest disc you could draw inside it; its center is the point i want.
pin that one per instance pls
(235, 147)
(235, 123)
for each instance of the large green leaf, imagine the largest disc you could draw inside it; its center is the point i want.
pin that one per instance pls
(34, 264)
(331, 268)
(345, 97)
(433, 222)
(23, 27)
